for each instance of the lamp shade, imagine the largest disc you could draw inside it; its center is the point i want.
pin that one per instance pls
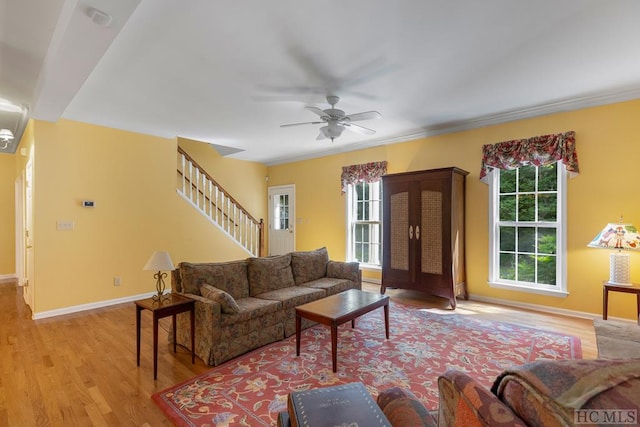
(617, 236)
(159, 261)
(621, 237)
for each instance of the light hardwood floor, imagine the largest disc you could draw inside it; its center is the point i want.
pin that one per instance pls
(80, 369)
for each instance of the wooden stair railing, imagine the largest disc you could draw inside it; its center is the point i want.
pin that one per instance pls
(213, 201)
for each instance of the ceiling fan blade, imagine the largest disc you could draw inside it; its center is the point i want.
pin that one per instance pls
(359, 129)
(298, 124)
(316, 110)
(367, 115)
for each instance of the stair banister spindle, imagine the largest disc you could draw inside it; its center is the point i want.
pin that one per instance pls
(214, 202)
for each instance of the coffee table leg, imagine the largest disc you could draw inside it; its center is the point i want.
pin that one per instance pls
(155, 346)
(174, 332)
(192, 316)
(386, 320)
(138, 311)
(334, 347)
(298, 326)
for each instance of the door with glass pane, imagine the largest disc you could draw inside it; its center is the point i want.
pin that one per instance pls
(281, 219)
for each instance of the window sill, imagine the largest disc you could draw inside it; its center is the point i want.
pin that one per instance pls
(370, 267)
(530, 289)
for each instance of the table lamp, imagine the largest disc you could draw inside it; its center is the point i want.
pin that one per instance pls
(620, 237)
(159, 261)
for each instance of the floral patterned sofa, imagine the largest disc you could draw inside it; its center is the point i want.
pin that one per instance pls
(245, 304)
(541, 393)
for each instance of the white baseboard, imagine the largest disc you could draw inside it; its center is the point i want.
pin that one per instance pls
(536, 307)
(8, 276)
(91, 306)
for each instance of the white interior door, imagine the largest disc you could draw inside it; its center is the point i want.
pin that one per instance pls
(20, 229)
(282, 233)
(28, 283)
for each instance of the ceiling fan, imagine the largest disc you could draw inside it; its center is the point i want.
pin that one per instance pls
(337, 121)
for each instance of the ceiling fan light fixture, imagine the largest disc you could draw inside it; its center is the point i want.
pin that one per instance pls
(332, 131)
(6, 135)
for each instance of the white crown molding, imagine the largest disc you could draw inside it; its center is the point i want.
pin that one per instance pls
(560, 105)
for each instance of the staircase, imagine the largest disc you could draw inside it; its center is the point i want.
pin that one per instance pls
(214, 202)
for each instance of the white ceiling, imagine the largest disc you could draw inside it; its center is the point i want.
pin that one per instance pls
(231, 72)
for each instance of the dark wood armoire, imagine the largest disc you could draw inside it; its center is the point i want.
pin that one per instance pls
(423, 232)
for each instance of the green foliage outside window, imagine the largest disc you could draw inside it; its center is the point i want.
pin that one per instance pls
(366, 223)
(528, 206)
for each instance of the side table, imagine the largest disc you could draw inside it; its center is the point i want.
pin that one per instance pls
(170, 305)
(607, 286)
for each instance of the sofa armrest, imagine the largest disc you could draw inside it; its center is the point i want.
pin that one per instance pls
(402, 408)
(207, 322)
(345, 270)
(464, 402)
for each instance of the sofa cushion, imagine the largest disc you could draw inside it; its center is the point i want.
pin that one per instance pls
(330, 285)
(226, 301)
(293, 296)
(310, 265)
(230, 277)
(269, 273)
(251, 308)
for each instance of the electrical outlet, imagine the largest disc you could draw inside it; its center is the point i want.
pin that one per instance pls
(117, 281)
(64, 225)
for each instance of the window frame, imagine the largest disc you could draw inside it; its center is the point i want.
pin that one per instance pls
(558, 290)
(351, 223)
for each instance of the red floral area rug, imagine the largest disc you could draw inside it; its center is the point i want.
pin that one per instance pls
(251, 389)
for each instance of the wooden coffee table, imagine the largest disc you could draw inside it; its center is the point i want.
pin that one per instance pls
(337, 309)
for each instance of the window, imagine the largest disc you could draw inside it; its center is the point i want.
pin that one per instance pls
(364, 224)
(528, 228)
(281, 212)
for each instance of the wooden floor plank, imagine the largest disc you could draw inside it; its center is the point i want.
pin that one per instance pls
(80, 369)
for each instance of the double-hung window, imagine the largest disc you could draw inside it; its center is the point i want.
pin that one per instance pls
(528, 228)
(364, 213)
(527, 211)
(363, 187)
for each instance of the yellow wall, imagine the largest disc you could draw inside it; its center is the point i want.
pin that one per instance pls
(7, 215)
(608, 144)
(131, 177)
(132, 180)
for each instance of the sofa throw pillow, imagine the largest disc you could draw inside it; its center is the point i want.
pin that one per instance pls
(226, 301)
(310, 265)
(270, 273)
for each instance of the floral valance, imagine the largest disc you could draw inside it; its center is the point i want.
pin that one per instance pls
(537, 151)
(367, 172)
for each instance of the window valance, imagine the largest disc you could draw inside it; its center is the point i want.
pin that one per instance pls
(538, 151)
(367, 172)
